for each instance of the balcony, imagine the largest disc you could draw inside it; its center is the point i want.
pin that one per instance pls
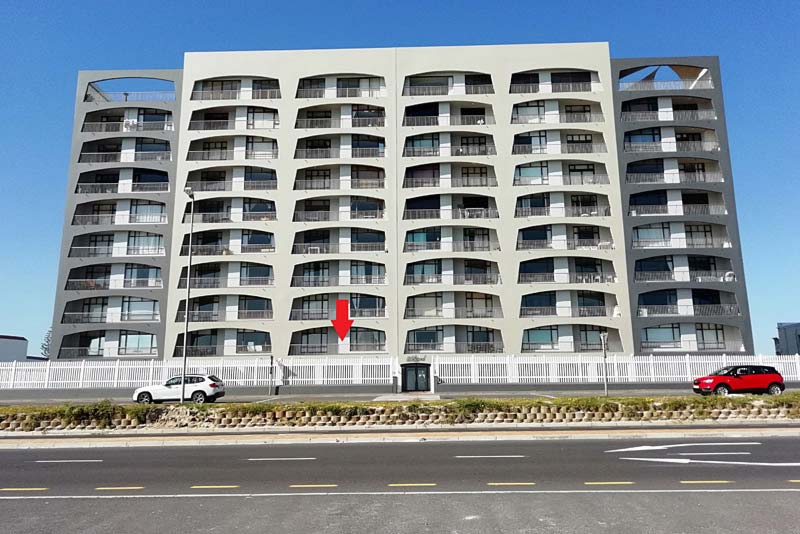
(692, 310)
(217, 94)
(683, 177)
(253, 349)
(95, 95)
(685, 276)
(215, 316)
(666, 85)
(203, 125)
(209, 155)
(307, 349)
(98, 284)
(547, 87)
(246, 185)
(454, 313)
(215, 282)
(563, 211)
(128, 126)
(94, 317)
(671, 146)
(677, 116)
(563, 148)
(228, 217)
(115, 250)
(102, 188)
(567, 278)
(227, 250)
(677, 242)
(569, 244)
(561, 118)
(123, 157)
(112, 219)
(334, 280)
(564, 311)
(334, 248)
(457, 347)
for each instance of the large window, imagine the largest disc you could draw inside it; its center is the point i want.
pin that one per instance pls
(531, 174)
(710, 336)
(137, 343)
(363, 339)
(662, 336)
(139, 309)
(542, 338)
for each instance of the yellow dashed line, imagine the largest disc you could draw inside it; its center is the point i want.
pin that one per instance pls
(412, 485)
(511, 483)
(616, 483)
(214, 487)
(314, 486)
(119, 488)
(24, 489)
(706, 481)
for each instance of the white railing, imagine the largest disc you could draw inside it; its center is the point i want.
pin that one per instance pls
(94, 95)
(344, 369)
(660, 85)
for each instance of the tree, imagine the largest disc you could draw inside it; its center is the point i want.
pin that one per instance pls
(45, 346)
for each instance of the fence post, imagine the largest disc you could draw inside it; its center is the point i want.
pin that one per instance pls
(150, 374)
(47, 375)
(473, 370)
(797, 366)
(116, 373)
(652, 369)
(80, 377)
(358, 371)
(688, 369)
(13, 377)
(325, 371)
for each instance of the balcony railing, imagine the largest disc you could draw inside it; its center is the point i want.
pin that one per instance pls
(127, 126)
(426, 120)
(592, 278)
(536, 278)
(426, 90)
(253, 349)
(665, 85)
(316, 153)
(315, 92)
(458, 347)
(683, 177)
(473, 181)
(672, 146)
(420, 151)
(583, 148)
(217, 94)
(220, 185)
(109, 317)
(357, 92)
(685, 276)
(471, 120)
(209, 155)
(589, 244)
(215, 282)
(315, 216)
(199, 351)
(704, 209)
(69, 353)
(681, 115)
(129, 96)
(299, 349)
(677, 242)
(561, 118)
(534, 244)
(115, 250)
(479, 150)
(265, 94)
(226, 250)
(694, 310)
(368, 122)
(545, 87)
(538, 311)
(368, 152)
(96, 284)
(213, 125)
(266, 153)
(479, 89)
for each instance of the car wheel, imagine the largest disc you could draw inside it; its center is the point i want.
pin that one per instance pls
(144, 398)
(722, 390)
(198, 397)
(774, 389)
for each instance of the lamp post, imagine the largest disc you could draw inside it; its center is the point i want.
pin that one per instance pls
(190, 193)
(604, 344)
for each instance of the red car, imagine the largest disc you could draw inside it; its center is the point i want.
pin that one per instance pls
(741, 379)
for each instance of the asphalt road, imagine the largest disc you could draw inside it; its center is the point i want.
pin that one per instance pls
(457, 487)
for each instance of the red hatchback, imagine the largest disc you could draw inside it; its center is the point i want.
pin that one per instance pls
(741, 379)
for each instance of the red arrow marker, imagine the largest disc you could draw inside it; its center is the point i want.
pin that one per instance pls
(342, 323)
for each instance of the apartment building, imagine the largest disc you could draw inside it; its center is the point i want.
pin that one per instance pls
(463, 200)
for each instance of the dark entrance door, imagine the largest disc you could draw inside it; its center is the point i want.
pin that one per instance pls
(416, 377)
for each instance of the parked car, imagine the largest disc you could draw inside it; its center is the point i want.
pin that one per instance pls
(199, 389)
(741, 379)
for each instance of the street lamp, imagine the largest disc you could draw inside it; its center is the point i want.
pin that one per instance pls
(190, 193)
(604, 344)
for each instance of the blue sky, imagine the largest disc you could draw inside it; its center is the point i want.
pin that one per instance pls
(46, 43)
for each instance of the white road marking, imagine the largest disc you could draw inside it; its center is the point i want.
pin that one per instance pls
(716, 462)
(67, 461)
(712, 453)
(394, 493)
(665, 447)
(492, 456)
(278, 459)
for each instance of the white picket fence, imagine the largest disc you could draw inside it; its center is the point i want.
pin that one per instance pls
(382, 370)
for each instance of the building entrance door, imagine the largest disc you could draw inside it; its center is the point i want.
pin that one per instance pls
(416, 377)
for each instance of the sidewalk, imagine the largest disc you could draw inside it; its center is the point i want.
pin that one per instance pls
(391, 434)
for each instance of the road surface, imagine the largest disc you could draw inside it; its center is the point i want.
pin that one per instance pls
(693, 485)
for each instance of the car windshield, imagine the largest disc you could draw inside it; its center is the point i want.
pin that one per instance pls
(722, 372)
(214, 378)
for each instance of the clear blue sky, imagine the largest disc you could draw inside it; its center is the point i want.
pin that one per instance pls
(46, 43)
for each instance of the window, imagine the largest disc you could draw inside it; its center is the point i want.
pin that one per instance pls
(252, 340)
(580, 169)
(589, 336)
(431, 267)
(536, 233)
(645, 135)
(546, 299)
(137, 343)
(260, 118)
(531, 138)
(692, 167)
(151, 145)
(366, 339)
(146, 211)
(702, 263)
(579, 138)
(531, 174)
(427, 337)
(145, 243)
(574, 109)
(591, 299)
(528, 113)
(652, 232)
(586, 233)
(710, 336)
(474, 172)
(543, 338)
(265, 85)
(139, 309)
(665, 297)
(153, 115)
(534, 201)
(366, 270)
(656, 264)
(641, 105)
(423, 141)
(220, 85)
(588, 265)
(258, 174)
(209, 146)
(141, 272)
(317, 269)
(662, 336)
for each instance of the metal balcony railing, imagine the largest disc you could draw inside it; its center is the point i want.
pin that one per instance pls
(251, 216)
(95, 284)
(458, 347)
(298, 349)
(129, 96)
(209, 155)
(534, 244)
(368, 122)
(665, 85)
(226, 250)
(520, 88)
(368, 152)
(249, 315)
(411, 182)
(317, 92)
(704, 209)
(583, 148)
(254, 349)
(212, 125)
(471, 120)
(479, 89)
(427, 120)
(538, 311)
(473, 181)
(695, 310)
(267, 153)
(479, 150)
(536, 278)
(530, 211)
(316, 153)
(494, 312)
(357, 92)
(426, 90)
(415, 214)
(679, 116)
(592, 278)
(367, 183)
(127, 126)
(420, 151)
(265, 94)
(315, 216)
(308, 124)
(419, 279)
(677, 242)
(589, 244)
(217, 94)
